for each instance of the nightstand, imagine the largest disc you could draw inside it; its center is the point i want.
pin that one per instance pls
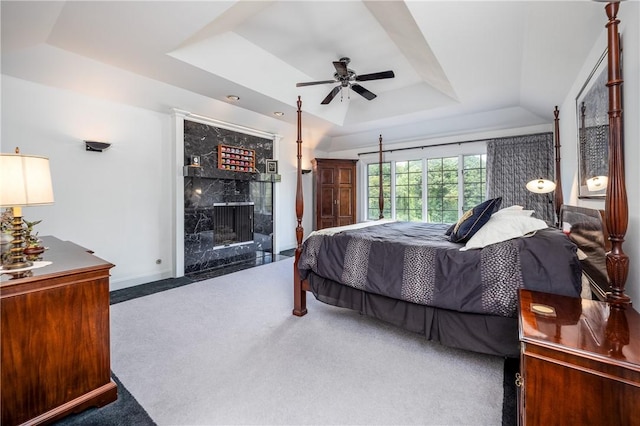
(579, 362)
(55, 344)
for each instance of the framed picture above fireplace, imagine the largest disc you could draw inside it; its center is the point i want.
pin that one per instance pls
(272, 167)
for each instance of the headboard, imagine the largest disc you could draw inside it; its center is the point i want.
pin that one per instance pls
(586, 228)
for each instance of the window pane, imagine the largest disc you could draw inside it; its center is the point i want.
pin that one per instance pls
(402, 179)
(435, 216)
(450, 163)
(415, 166)
(450, 203)
(450, 216)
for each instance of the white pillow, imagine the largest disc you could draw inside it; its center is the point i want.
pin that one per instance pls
(502, 228)
(513, 210)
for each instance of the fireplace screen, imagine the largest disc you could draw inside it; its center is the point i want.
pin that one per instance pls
(232, 223)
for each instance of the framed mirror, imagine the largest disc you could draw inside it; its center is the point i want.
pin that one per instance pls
(592, 106)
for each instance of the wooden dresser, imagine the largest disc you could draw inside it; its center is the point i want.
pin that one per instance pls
(335, 192)
(580, 362)
(55, 337)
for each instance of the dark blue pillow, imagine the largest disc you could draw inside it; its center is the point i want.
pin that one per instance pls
(473, 220)
(450, 229)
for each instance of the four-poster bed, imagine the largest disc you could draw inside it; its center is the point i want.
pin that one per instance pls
(452, 324)
(416, 276)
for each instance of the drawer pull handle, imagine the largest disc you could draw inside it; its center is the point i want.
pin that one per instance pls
(519, 380)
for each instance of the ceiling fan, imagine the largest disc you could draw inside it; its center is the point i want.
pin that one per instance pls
(348, 78)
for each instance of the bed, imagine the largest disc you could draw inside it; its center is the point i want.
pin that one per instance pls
(474, 310)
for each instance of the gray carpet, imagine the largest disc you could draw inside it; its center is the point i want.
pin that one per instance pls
(228, 351)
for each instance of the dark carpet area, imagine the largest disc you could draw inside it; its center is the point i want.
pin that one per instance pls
(125, 411)
(509, 400)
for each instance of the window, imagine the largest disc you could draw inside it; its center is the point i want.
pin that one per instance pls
(437, 190)
(474, 173)
(442, 190)
(373, 190)
(408, 190)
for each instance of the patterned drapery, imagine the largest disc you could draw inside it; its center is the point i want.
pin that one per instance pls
(514, 161)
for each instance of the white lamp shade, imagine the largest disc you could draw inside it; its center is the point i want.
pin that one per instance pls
(541, 186)
(597, 183)
(25, 180)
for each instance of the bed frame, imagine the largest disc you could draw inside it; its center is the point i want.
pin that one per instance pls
(616, 206)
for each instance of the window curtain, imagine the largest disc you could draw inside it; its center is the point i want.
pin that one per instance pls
(514, 161)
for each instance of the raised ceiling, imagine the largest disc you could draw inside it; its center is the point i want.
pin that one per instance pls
(459, 66)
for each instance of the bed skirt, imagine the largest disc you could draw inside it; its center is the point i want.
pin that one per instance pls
(488, 334)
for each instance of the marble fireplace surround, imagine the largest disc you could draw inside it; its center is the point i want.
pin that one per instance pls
(208, 186)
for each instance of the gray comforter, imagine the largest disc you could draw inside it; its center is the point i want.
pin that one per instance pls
(415, 262)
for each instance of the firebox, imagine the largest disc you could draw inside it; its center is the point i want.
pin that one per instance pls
(232, 223)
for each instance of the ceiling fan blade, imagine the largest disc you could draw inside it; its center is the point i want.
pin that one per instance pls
(341, 68)
(375, 76)
(311, 83)
(332, 95)
(362, 91)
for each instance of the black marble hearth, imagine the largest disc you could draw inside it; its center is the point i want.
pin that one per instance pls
(207, 245)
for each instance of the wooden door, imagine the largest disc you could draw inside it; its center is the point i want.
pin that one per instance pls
(335, 192)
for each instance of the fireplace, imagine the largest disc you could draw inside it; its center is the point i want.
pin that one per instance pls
(232, 223)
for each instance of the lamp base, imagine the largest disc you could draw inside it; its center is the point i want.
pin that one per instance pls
(17, 259)
(17, 265)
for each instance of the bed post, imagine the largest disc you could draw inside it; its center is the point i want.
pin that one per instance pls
(380, 191)
(559, 200)
(299, 295)
(616, 205)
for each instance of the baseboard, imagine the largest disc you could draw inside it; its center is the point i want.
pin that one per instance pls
(142, 279)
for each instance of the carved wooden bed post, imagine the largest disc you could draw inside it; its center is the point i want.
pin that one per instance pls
(299, 295)
(559, 200)
(616, 206)
(380, 192)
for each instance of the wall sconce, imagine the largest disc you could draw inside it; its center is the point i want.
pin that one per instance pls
(540, 186)
(597, 183)
(96, 146)
(26, 181)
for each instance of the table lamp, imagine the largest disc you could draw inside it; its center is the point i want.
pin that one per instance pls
(25, 180)
(541, 186)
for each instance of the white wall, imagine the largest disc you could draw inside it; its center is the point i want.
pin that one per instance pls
(114, 202)
(629, 16)
(117, 203)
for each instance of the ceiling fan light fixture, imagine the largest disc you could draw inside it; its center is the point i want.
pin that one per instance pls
(347, 78)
